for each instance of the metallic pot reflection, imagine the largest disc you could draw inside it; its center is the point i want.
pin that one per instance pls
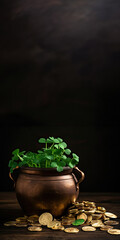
(44, 189)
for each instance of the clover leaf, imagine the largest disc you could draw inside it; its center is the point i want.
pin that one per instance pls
(54, 154)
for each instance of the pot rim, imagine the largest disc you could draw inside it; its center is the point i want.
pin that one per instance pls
(45, 171)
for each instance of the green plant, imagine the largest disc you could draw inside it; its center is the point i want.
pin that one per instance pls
(55, 154)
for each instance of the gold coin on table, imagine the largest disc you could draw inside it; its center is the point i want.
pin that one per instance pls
(88, 228)
(61, 227)
(106, 227)
(35, 224)
(45, 218)
(35, 229)
(67, 221)
(58, 227)
(21, 219)
(111, 222)
(21, 225)
(114, 231)
(97, 223)
(54, 223)
(71, 230)
(33, 218)
(110, 215)
(10, 224)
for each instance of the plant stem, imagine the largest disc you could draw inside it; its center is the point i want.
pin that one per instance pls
(20, 157)
(46, 145)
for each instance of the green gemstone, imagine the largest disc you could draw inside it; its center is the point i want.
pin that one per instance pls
(78, 222)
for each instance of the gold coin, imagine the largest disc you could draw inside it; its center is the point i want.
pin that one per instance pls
(74, 210)
(82, 216)
(96, 216)
(97, 223)
(80, 211)
(101, 209)
(90, 204)
(67, 221)
(58, 228)
(106, 227)
(114, 231)
(35, 224)
(33, 218)
(71, 230)
(21, 219)
(78, 204)
(89, 218)
(110, 215)
(91, 211)
(45, 218)
(54, 223)
(10, 224)
(88, 228)
(111, 222)
(35, 229)
(70, 215)
(21, 225)
(61, 227)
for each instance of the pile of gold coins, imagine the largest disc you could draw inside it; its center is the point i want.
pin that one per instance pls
(85, 214)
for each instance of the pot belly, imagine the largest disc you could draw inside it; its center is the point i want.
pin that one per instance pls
(39, 195)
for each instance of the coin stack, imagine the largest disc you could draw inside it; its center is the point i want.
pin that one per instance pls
(85, 214)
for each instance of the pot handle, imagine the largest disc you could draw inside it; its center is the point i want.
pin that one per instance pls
(82, 177)
(11, 175)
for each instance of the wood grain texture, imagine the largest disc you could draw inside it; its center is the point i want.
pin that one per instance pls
(9, 210)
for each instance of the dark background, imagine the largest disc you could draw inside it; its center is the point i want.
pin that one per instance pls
(60, 76)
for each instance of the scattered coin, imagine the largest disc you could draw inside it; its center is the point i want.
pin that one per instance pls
(88, 228)
(114, 231)
(58, 228)
(111, 222)
(10, 224)
(45, 218)
(106, 227)
(110, 215)
(61, 227)
(21, 225)
(67, 221)
(20, 219)
(71, 230)
(35, 229)
(35, 224)
(54, 223)
(97, 223)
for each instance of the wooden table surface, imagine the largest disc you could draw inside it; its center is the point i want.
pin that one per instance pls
(10, 209)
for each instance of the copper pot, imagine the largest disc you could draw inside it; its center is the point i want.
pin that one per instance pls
(44, 189)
